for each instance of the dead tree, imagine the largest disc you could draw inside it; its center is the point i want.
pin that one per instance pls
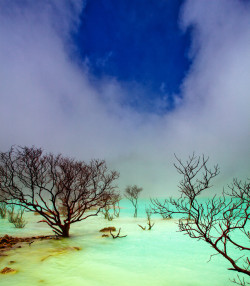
(221, 222)
(106, 209)
(142, 227)
(45, 183)
(196, 178)
(224, 224)
(115, 201)
(106, 214)
(149, 223)
(132, 193)
(114, 236)
(112, 203)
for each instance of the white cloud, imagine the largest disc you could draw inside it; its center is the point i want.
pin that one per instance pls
(217, 85)
(48, 100)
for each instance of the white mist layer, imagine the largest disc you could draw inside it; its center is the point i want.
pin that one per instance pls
(161, 256)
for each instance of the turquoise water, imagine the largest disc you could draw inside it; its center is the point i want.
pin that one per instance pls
(162, 256)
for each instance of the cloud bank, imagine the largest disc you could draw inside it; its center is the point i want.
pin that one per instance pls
(47, 98)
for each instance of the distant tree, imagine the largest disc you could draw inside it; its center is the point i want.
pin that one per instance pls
(113, 202)
(221, 222)
(47, 184)
(106, 209)
(132, 193)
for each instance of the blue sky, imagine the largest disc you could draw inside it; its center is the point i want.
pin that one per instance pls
(131, 82)
(137, 42)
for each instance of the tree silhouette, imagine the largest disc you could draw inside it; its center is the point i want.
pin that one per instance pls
(48, 184)
(221, 222)
(132, 193)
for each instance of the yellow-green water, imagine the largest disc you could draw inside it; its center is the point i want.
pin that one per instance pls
(162, 256)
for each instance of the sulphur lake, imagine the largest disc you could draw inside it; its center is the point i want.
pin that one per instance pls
(162, 256)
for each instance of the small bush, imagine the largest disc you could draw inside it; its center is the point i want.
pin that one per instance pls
(19, 222)
(16, 218)
(107, 215)
(3, 210)
(11, 213)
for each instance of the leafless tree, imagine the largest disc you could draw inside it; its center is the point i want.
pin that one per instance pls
(149, 213)
(106, 213)
(115, 201)
(106, 209)
(112, 203)
(44, 183)
(132, 193)
(149, 223)
(114, 236)
(221, 222)
(196, 178)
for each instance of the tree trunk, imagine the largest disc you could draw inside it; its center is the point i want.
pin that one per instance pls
(189, 213)
(135, 214)
(65, 230)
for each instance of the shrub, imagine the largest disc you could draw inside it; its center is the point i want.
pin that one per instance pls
(3, 210)
(16, 218)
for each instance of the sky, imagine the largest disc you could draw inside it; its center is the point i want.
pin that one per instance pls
(131, 82)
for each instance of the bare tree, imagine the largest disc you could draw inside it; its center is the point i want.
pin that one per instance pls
(221, 222)
(149, 223)
(107, 207)
(117, 235)
(106, 213)
(132, 193)
(47, 183)
(196, 178)
(115, 201)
